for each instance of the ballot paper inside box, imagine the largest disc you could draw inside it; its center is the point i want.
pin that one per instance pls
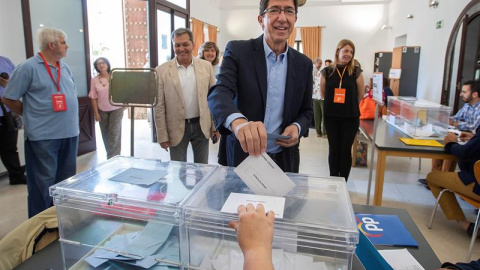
(127, 246)
(125, 213)
(317, 231)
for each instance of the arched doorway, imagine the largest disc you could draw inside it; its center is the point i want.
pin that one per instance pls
(462, 61)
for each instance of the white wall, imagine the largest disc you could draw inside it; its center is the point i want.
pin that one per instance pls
(238, 24)
(12, 43)
(204, 11)
(421, 32)
(360, 23)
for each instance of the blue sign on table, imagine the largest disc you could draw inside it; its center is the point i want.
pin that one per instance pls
(385, 230)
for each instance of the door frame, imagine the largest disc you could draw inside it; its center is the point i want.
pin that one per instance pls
(468, 11)
(461, 61)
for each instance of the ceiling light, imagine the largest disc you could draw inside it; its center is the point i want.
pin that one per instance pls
(433, 4)
(410, 16)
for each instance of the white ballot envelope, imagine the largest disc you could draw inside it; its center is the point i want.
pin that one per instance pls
(263, 176)
(270, 203)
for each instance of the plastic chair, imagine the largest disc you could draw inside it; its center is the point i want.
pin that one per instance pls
(471, 201)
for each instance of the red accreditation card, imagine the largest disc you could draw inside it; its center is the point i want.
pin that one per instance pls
(59, 102)
(339, 96)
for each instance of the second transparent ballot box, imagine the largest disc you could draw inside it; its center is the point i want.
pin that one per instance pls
(317, 231)
(125, 213)
(418, 118)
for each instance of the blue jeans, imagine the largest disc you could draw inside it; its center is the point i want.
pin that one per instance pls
(48, 162)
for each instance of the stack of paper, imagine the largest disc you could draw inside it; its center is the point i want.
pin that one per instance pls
(143, 249)
(401, 259)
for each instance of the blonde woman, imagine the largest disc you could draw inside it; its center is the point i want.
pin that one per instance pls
(342, 87)
(209, 51)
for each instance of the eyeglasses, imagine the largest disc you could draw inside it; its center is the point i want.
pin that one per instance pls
(274, 11)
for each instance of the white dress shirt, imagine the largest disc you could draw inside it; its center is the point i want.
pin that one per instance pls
(188, 83)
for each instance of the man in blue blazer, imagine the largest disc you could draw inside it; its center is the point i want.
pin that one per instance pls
(264, 89)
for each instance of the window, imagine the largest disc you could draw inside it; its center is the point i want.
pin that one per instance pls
(298, 46)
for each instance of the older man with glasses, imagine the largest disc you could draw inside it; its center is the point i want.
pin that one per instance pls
(264, 89)
(43, 90)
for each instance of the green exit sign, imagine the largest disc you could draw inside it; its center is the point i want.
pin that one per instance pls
(439, 24)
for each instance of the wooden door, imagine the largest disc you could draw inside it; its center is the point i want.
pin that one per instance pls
(396, 64)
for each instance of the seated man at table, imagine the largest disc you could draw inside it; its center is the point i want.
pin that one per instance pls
(466, 119)
(463, 182)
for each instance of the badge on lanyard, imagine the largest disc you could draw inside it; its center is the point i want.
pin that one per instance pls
(339, 94)
(59, 103)
(58, 100)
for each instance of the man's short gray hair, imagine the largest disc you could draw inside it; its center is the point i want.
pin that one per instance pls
(181, 31)
(316, 60)
(49, 35)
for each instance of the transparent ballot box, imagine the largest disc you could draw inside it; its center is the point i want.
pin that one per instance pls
(125, 213)
(418, 118)
(317, 231)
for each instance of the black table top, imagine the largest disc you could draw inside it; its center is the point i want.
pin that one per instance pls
(388, 138)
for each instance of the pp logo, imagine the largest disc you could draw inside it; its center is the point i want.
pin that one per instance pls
(369, 227)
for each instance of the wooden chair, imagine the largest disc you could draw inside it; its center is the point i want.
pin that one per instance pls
(471, 201)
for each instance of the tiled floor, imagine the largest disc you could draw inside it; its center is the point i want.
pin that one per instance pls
(400, 190)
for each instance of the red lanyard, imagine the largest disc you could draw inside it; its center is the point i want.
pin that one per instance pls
(59, 72)
(341, 76)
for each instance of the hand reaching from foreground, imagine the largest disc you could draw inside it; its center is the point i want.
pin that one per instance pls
(255, 235)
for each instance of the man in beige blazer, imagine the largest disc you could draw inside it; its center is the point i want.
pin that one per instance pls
(182, 115)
